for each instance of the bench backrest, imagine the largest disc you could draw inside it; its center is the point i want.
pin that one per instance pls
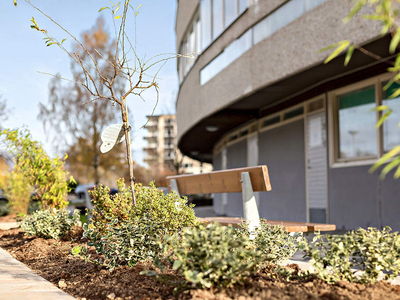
(225, 181)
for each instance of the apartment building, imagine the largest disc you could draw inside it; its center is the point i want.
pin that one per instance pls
(161, 151)
(258, 92)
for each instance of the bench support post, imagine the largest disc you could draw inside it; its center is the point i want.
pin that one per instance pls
(250, 209)
(174, 187)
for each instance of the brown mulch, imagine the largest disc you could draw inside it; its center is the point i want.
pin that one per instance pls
(8, 218)
(51, 259)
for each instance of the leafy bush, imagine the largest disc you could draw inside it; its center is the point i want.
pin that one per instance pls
(275, 242)
(17, 190)
(47, 175)
(169, 210)
(4, 210)
(376, 252)
(126, 244)
(50, 223)
(212, 254)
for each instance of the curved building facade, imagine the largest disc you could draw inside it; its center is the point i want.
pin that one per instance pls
(256, 91)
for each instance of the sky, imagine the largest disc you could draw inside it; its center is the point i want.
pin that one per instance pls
(23, 53)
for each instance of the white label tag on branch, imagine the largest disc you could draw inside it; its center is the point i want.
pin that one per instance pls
(112, 135)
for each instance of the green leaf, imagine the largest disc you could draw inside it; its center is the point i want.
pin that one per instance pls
(342, 45)
(103, 8)
(348, 55)
(381, 108)
(392, 153)
(61, 43)
(389, 167)
(383, 119)
(397, 173)
(139, 6)
(177, 264)
(395, 41)
(356, 8)
(395, 94)
(117, 17)
(329, 47)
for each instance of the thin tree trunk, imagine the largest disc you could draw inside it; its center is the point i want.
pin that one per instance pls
(132, 178)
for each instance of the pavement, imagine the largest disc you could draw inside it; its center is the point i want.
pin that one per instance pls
(17, 281)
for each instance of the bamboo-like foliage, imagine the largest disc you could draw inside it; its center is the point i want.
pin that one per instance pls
(385, 12)
(124, 64)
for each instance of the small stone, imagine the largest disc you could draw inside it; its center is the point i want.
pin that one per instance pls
(342, 283)
(111, 296)
(309, 284)
(62, 284)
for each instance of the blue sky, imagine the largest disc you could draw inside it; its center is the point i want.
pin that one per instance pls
(23, 53)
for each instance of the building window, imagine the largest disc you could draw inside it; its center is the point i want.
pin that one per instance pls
(281, 17)
(391, 130)
(356, 124)
(230, 11)
(190, 46)
(216, 16)
(353, 119)
(205, 13)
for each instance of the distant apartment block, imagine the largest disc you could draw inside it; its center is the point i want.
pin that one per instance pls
(161, 151)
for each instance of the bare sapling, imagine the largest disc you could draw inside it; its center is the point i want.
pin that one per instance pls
(124, 64)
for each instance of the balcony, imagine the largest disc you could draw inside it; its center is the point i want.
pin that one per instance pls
(151, 137)
(151, 125)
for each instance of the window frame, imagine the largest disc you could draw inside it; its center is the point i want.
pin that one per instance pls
(333, 122)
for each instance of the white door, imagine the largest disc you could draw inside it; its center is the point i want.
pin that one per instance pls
(317, 191)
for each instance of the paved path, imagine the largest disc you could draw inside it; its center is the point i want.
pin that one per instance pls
(17, 281)
(9, 225)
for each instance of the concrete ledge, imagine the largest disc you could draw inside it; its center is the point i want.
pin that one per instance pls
(17, 281)
(10, 225)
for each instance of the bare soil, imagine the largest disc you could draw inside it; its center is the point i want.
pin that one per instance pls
(8, 218)
(51, 259)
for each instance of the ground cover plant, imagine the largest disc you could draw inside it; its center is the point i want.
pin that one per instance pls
(50, 223)
(375, 252)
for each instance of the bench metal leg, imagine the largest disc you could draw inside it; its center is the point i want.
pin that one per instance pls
(174, 187)
(250, 209)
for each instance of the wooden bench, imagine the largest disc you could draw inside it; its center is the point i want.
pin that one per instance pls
(244, 180)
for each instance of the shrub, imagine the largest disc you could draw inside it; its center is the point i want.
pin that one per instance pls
(376, 252)
(275, 242)
(126, 244)
(17, 190)
(170, 210)
(4, 210)
(212, 254)
(50, 223)
(47, 175)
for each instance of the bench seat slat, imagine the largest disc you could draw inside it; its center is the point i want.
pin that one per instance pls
(225, 181)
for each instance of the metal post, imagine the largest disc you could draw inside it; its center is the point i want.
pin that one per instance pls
(174, 187)
(250, 209)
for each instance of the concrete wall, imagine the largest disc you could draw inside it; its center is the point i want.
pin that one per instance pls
(287, 52)
(217, 202)
(236, 158)
(282, 150)
(359, 199)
